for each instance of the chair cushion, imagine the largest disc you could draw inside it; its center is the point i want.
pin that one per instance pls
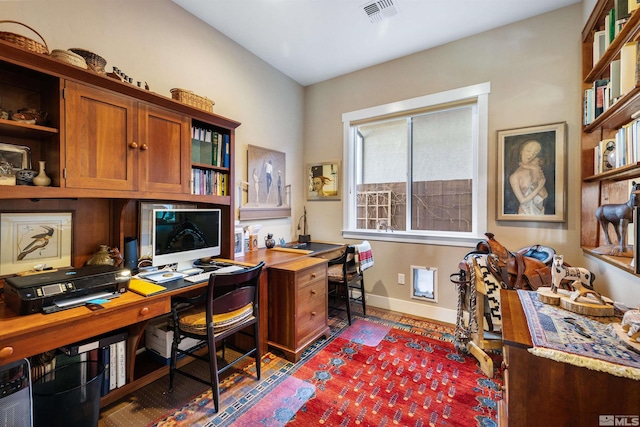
(194, 319)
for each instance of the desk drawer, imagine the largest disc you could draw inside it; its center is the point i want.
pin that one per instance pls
(77, 324)
(312, 315)
(310, 275)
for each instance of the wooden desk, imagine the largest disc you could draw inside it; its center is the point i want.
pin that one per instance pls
(25, 336)
(540, 391)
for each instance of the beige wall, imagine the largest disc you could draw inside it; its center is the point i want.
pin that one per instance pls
(535, 79)
(159, 42)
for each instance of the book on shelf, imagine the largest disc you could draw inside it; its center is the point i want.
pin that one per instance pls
(195, 144)
(226, 142)
(113, 361)
(628, 67)
(216, 145)
(206, 147)
(599, 45)
(599, 89)
(614, 84)
(121, 370)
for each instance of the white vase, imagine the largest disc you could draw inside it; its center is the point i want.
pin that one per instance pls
(42, 180)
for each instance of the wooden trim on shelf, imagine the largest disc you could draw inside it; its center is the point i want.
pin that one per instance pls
(622, 263)
(617, 174)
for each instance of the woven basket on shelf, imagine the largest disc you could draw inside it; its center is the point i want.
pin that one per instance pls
(190, 98)
(22, 41)
(69, 57)
(94, 61)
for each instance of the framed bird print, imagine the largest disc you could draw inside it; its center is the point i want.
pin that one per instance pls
(32, 241)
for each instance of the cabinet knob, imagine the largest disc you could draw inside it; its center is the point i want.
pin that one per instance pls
(144, 311)
(6, 352)
(144, 147)
(133, 144)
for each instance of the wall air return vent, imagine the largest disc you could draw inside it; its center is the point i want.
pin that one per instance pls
(378, 10)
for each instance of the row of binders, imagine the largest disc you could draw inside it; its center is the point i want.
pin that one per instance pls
(209, 182)
(209, 147)
(622, 150)
(623, 72)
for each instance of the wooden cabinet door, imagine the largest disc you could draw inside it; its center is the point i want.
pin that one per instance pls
(100, 144)
(164, 150)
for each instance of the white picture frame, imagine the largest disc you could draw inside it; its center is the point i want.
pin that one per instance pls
(29, 238)
(424, 283)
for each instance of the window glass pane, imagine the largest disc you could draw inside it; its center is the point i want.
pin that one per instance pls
(442, 170)
(383, 178)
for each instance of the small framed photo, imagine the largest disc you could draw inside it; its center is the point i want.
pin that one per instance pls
(424, 283)
(323, 181)
(532, 173)
(29, 239)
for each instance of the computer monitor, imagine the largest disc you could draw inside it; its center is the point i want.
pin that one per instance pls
(185, 235)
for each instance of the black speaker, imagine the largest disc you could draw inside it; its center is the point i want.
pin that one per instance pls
(131, 253)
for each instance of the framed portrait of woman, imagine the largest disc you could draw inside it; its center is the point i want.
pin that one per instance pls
(532, 173)
(323, 181)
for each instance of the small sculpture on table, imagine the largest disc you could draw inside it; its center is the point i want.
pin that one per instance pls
(572, 289)
(619, 215)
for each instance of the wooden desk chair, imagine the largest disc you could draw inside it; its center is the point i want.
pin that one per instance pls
(229, 305)
(345, 274)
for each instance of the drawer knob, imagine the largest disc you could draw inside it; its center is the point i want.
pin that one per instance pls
(313, 292)
(144, 311)
(6, 352)
(313, 275)
(133, 144)
(313, 313)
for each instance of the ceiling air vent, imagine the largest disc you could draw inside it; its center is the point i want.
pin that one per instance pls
(378, 10)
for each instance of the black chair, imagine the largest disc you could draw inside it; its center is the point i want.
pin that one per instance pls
(229, 305)
(345, 275)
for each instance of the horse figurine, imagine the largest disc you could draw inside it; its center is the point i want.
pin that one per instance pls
(560, 272)
(620, 215)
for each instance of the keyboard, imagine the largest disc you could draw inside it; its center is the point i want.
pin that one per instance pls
(204, 276)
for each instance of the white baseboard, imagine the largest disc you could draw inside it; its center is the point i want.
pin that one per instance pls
(428, 311)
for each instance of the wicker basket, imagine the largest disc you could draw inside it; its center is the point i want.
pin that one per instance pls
(94, 61)
(190, 98)
(22, 41)
(69, 57)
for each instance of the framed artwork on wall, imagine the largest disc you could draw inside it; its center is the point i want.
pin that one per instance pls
(28, 239)
(532, 173)
(323, 181)
(268, 196)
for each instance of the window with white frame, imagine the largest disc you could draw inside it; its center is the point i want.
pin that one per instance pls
(415, 170)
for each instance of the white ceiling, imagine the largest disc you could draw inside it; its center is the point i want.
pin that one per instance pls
(315, 40)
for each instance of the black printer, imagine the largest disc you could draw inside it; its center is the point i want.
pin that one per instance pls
(58, 290)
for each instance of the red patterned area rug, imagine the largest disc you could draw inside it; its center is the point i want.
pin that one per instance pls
(374, 373)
